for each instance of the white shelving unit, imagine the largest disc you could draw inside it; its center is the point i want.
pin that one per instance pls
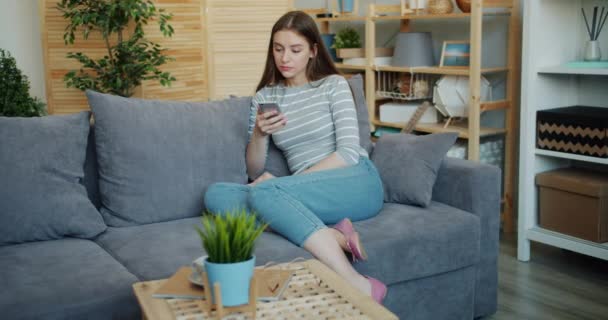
(575, 71)
(554, 34)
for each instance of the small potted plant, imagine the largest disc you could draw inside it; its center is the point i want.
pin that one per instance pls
(348, 38)
(229, 241)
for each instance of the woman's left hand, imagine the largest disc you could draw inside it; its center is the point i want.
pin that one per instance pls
(265, 176)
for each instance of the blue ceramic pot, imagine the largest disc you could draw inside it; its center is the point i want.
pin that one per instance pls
(348, 5)
(328, 41)
(234, 280)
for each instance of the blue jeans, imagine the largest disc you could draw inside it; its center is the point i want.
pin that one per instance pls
(297, 206)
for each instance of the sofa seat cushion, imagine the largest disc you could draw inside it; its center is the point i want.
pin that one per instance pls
(408, 242)
(156, 251)
(64, 279)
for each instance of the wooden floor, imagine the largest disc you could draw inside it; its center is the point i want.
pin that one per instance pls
(555, 284)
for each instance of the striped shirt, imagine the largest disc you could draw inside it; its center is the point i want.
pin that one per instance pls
(321, 120)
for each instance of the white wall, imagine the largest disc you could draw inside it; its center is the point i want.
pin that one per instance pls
(20, 34)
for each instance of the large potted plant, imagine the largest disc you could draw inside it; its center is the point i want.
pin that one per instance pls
(15, 98)
(130, 59)
(229, 240)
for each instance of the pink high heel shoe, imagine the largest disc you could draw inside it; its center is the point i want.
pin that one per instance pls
(378, 289)
(345, 226)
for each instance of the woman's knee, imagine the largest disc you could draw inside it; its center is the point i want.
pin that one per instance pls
(222, 197)
(259, 194)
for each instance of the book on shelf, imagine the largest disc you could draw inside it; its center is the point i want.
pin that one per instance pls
(270, 285)
(385, 130)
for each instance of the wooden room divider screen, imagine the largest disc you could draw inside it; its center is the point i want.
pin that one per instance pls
(219, 48)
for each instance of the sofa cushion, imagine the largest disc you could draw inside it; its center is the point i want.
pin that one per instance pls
(408, 242)
(41, 168)
(157, 158)
(64, 279)
(156, 251)
(408, 165)
(276, 162)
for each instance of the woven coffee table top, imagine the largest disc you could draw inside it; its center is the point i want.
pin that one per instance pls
(314, 292)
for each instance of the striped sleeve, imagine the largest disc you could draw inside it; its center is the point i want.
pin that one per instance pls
(344, 114)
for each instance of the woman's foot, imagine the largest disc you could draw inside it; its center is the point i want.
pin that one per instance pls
(363, 284)
(378, 289)
(371, 287)
(349, 239)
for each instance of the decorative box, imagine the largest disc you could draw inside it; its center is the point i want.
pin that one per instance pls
(401, 112)
(577, 129)
(574, 202)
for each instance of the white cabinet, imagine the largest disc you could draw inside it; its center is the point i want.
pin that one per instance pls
(553, 35)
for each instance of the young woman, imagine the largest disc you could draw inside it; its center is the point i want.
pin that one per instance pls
(316, 128)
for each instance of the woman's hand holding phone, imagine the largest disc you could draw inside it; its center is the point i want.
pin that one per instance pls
(269, 119)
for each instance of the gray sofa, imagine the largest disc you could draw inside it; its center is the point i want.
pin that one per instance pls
(439, 261)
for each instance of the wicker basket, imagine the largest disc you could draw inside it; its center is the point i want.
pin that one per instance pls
(440, 6)
(464, 5)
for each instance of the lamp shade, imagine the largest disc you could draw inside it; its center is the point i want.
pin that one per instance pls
(413, 49)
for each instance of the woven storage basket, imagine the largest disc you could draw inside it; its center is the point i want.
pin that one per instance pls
(464, 5)
(440, 6)
(577, 129)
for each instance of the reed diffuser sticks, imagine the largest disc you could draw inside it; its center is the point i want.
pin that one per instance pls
(597, 23)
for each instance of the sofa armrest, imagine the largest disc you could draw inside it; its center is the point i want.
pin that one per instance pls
(469, 186)
(476, 188)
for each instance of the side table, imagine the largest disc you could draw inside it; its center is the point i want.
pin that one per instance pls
(314, 292)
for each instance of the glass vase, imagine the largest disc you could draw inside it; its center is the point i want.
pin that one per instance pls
(592, 51)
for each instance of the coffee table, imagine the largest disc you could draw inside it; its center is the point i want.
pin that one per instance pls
(314, 292)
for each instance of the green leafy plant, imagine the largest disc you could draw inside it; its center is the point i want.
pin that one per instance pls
(229, 237)
(128, 62)
(347, 38)
(15, 99)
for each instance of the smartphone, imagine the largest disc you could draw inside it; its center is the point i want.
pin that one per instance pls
(269, 106)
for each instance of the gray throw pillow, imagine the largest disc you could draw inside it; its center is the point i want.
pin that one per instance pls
(157, 158)
(276, 162)
(408, 165)
(41, 174)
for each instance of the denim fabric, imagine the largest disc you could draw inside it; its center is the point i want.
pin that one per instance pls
(297, 206)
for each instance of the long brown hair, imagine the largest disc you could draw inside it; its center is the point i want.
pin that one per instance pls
(319, 67)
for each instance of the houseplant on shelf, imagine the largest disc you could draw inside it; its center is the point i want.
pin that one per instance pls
(348, 38)
(130, 58)
(15, 98)
(229, 240)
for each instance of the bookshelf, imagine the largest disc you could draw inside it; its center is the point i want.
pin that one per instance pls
(472, 130)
